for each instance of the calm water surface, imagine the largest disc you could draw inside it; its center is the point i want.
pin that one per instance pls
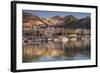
(56, 51)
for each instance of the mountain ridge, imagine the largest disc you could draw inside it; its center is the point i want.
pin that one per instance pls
(69, 21)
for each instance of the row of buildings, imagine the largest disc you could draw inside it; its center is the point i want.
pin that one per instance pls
(52, 31)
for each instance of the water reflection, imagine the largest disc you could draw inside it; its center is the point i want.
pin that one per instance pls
(56, 51)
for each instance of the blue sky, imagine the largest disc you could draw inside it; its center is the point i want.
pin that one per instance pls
(47, 14)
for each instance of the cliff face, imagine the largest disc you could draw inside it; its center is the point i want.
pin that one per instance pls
(56, 21)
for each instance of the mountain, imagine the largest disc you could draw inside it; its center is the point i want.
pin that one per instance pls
(77, 23)
(56, 21)
(27, 17)
(69, 19)
(57, 17)
(32, 20)
(85, 22)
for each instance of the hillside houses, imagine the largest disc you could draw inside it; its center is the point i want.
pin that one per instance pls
(39, 31)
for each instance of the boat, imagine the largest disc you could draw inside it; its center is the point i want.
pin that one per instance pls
(73, 39)
(65, 39)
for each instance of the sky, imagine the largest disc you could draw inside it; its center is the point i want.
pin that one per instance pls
(48, 14)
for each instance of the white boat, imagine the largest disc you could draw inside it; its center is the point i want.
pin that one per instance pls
(49, 39)
(64, 39)
(73, 39)
(84, 38)
(56, 40)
